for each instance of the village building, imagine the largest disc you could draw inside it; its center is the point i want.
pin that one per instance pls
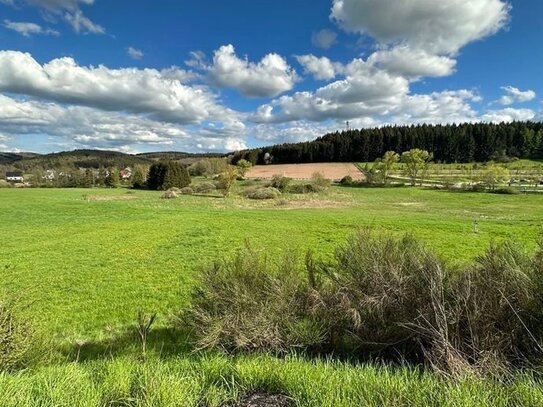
(15, 176)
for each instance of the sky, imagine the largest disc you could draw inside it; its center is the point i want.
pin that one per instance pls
(215, 75)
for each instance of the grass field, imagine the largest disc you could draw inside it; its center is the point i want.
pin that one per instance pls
(84, 267)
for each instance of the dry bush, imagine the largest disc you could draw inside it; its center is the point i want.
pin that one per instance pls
(264, 193)
(496, 295)
(169, 195)
(250, 303)
(379, 297)
(204, 187)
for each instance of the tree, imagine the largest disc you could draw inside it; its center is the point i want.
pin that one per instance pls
(243, 166)
(167, 174)
(386, 164)
(139, 178)
(494, 175)
(416, 163)
(112, 179)
(226, 179)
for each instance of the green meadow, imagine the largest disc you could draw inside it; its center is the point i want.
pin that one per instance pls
(83, 262)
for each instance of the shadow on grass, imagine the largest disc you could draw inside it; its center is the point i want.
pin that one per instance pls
(164, 342)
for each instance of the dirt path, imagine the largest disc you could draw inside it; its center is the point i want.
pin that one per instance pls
(332, 171)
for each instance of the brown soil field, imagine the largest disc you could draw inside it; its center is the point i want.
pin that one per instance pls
(331, 171)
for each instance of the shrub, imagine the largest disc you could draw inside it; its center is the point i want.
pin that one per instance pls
(204, 187)
(379, 296)
(381, 290)
(16, 340)
(250, 303)
(280, 182)
(264, 193)
(305, 188)
(169, 195)
(187, 191)
(347, 180)
(319, 182)
(506, 191)
(200, 168)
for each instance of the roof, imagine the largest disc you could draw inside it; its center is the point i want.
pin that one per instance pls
(14, 174)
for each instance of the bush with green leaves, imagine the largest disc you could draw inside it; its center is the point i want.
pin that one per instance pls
(280, 182)
(187, 191)
(346, 180)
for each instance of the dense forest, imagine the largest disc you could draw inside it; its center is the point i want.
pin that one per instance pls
(461, 143)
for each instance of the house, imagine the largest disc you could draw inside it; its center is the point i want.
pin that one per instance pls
(126, 173)
(16, 176)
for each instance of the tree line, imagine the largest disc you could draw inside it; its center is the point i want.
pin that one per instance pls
(462, 143)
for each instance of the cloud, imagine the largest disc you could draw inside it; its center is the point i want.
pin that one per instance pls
(159, 94)
(134, 53)
(68, 10)
(324, 38)
(84, 127)
(82, 24)
(368, 95)
(321, 68)
(267, 78)
(412, 63)
(508, 115)
(28, 29)
(515, 95)
(440, 27)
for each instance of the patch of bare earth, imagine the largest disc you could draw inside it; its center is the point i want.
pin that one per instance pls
(331, 171)
(261, 399)
(110, 197)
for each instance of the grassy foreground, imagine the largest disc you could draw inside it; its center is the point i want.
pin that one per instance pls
(84, 267)
(211, 380)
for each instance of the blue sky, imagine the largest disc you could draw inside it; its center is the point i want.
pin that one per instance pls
(217, 75)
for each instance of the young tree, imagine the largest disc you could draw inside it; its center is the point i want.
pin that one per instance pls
(416, 163)
(226, 179)
(494, 175)
(243, 166)
(386, 164)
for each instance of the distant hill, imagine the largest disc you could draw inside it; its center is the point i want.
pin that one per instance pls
(6, 158)
(90, 159)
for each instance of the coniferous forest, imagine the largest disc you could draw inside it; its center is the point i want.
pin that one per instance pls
(461, 143)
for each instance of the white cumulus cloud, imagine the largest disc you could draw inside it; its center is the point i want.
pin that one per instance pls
(320, 67)
(442, 26)
(160, 94)
(267, 78)
(515, 95)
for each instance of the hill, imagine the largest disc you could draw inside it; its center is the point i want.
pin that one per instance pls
(89, 159)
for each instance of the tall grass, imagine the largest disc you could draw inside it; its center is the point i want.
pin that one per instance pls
(211, 380)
